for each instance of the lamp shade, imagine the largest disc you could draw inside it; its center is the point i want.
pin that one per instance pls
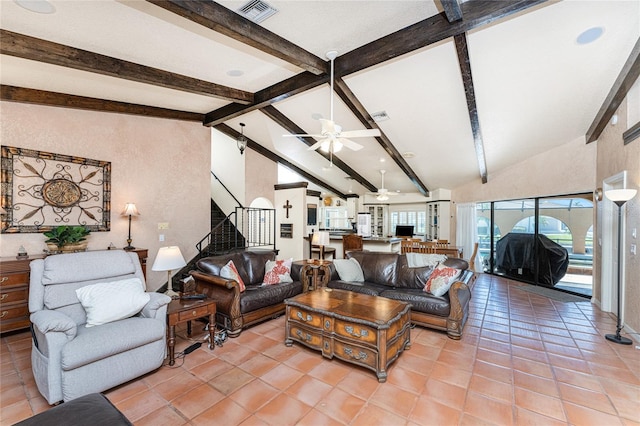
(620, 194)
(130, 210)
(320, 238)
(168, 258)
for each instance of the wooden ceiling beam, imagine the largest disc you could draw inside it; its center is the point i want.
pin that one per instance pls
(421, 34)
(462, 50)
(350, 99)
(452, 9)
(277, 92)
(251, 144)
(426, 32)
(42, 97)
(36, 49)
(224, 21)
(627, 77)
(291, 127)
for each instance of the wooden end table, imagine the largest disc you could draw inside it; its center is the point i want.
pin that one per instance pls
(318, 270)
(180, 311)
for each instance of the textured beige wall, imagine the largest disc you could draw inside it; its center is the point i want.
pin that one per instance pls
(613, 158)
(260, 178)
(160, 165)
(567, 169)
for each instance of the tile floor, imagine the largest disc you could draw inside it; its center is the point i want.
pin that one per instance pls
(524, 359)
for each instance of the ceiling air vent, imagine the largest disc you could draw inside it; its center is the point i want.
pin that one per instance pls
(257, 11)
(380, 116)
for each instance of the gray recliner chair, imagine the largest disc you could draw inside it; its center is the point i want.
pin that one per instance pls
(68, 358)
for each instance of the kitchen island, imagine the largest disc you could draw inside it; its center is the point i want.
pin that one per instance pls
(387, 244)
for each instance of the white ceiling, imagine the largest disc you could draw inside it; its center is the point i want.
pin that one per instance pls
(536, 87)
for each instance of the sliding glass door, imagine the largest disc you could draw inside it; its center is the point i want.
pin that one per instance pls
(543, 241)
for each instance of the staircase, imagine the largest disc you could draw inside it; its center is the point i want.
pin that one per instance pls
(224, 238)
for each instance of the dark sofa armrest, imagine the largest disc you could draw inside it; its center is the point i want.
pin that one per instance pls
(214, 280)
(225, 292)
(459, 297)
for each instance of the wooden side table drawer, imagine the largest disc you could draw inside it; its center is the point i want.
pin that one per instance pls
(13, 312)
(193, 313)
(14, 279)
(14, 295)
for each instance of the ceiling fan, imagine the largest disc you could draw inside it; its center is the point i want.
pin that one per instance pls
(383, 193)
(331, 138)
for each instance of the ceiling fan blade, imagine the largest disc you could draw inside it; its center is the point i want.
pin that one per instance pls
(289, 135)
(364, 133)
(316, 145)
(350, 144)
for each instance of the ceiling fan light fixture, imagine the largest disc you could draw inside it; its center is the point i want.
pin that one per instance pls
(325, 146)
(337, 146)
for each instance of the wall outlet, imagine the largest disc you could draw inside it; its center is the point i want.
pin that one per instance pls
(633, 249)
(161, 237)
(163, 225)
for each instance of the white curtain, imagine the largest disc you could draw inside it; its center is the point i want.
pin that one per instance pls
(466, 228)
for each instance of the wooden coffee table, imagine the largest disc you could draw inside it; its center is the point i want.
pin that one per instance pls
(369, 331)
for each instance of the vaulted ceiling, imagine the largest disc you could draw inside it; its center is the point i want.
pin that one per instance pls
(469, 88)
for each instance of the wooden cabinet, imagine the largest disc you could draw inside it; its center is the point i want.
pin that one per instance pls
(14, 293)
(14, 290)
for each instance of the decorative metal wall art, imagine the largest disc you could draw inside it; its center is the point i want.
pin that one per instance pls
(41, 190)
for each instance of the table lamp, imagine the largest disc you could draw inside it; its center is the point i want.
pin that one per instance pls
(168, 259)
(321, 239)
(130, 210)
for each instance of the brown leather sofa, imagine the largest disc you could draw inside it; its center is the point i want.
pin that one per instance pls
(236, 310)
(388, 275)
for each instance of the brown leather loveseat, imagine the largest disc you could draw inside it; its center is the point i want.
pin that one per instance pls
(236, 310)
(389, 275)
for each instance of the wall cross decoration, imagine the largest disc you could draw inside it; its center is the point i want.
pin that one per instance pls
(287, 206)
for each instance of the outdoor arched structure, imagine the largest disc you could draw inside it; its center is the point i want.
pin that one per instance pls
(578, 221)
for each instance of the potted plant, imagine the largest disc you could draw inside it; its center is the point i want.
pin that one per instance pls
(67, 238)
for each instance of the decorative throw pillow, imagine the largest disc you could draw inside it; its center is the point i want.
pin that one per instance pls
(112, 301)
(349, 270)
(441, 280)
(277, 272)
(229, 271)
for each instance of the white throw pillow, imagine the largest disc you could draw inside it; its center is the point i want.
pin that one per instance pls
(112, 301)
(349, 270)
(277, 272)
(441, 280)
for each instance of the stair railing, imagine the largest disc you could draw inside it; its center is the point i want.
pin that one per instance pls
(245, 228)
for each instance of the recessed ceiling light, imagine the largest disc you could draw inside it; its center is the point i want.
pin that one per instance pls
(37, 6)
(408, 154)
(590, 35)
(382, 160)
(316, 116)
(235, 73)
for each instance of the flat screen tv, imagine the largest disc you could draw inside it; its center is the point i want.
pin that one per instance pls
(404, 230)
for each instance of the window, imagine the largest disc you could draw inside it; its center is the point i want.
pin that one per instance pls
(417, 218)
